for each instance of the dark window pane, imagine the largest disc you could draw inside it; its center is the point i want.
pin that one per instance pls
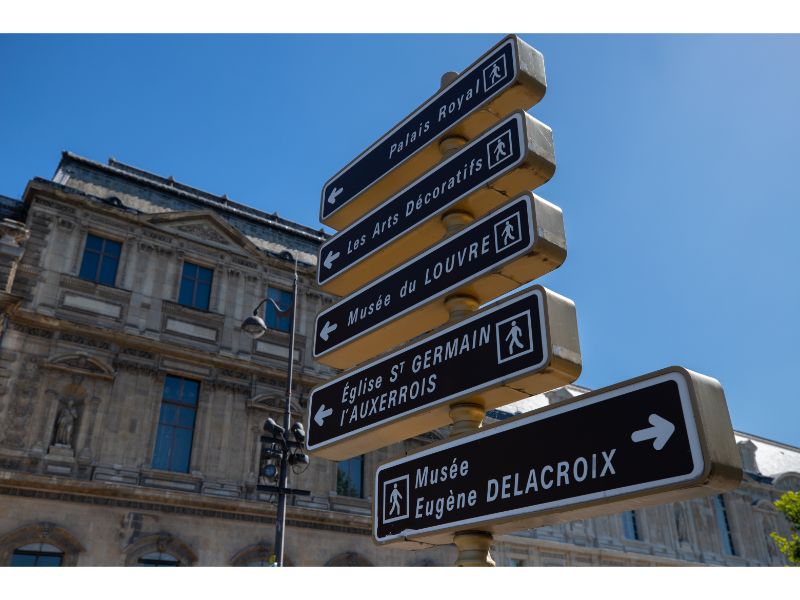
(349, 476)
(94, 243)
(89, 266)
(163, 447)
(23, 560)
(172, 388)
(181, 450)
(186, 296)
(169, 414)
(108, 271)
(48, 561)
(112, 248)
(190, 389)
(274, 319)
(100, 260)
(195, 288)
(173, 448)
(202, 295)
(185, 417)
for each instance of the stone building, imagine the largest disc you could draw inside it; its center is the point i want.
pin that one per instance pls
(131, 402)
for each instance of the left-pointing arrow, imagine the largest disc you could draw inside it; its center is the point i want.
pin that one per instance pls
(660, 432)
(334, 194)
(327, 329)
(332, 256)
(319, 418)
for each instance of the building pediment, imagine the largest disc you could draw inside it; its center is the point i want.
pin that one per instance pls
(204, 227)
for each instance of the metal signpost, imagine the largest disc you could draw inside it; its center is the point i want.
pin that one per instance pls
(514, 156)
(514, 245)
(514, 349)
(659, 438)
(508, 77)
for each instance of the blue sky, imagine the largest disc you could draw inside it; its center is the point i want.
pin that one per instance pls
(677, 166)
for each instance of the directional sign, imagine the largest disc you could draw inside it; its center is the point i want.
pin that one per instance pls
(659, 438)
(514, 245)
(508, 77)
(522, 346)
(514, 156)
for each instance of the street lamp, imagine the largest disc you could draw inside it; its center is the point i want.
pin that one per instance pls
(281, 448)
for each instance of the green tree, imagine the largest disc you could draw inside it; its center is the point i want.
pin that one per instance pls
(789, 505)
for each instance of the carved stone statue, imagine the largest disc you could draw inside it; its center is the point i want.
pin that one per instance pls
(65, 424)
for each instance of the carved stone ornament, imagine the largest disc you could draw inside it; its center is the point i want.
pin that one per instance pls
(204, 232)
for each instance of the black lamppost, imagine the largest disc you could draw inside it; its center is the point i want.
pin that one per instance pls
(283, 449)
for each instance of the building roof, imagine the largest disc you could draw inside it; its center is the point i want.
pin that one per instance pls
(773, 458)
(200, 197)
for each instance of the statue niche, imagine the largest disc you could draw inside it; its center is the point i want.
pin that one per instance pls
(66, 424)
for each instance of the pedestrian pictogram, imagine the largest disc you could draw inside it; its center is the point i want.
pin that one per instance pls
(507, 232)
(514, 337)
(494, 73)
(396, 499)
(499, 149)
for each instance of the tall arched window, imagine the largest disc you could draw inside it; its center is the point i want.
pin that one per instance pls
(39, 545)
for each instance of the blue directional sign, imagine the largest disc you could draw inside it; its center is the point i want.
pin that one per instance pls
(492, 256)
(659, 438)
(510, 64)
(524, 345)
(496, 153)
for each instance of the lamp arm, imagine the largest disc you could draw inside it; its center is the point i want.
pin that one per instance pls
(278, 309)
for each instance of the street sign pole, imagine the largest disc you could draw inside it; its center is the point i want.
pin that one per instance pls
(662, 437)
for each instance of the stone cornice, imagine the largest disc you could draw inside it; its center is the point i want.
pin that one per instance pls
(93, 492)
(193, 355)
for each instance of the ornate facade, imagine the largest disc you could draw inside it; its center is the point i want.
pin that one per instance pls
(131, 402)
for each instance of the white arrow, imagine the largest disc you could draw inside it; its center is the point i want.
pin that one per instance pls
(332, 256)
(319, 418)
(660, 432)
(327, 329)
(334, 193)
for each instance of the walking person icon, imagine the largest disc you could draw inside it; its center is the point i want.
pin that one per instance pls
(395, 498)
(495, 74)
(508, 233)
(499, 150)
(514, 338)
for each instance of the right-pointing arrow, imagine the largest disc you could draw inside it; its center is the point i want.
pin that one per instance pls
(660, 432)
(319, 418)
(327, 329)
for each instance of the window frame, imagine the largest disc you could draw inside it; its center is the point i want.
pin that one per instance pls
(195, 281)
(102, 255)
(361, 489)
(275, 322)
(724, 526)
(178, 406)
(630, 519)
(40, 552)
